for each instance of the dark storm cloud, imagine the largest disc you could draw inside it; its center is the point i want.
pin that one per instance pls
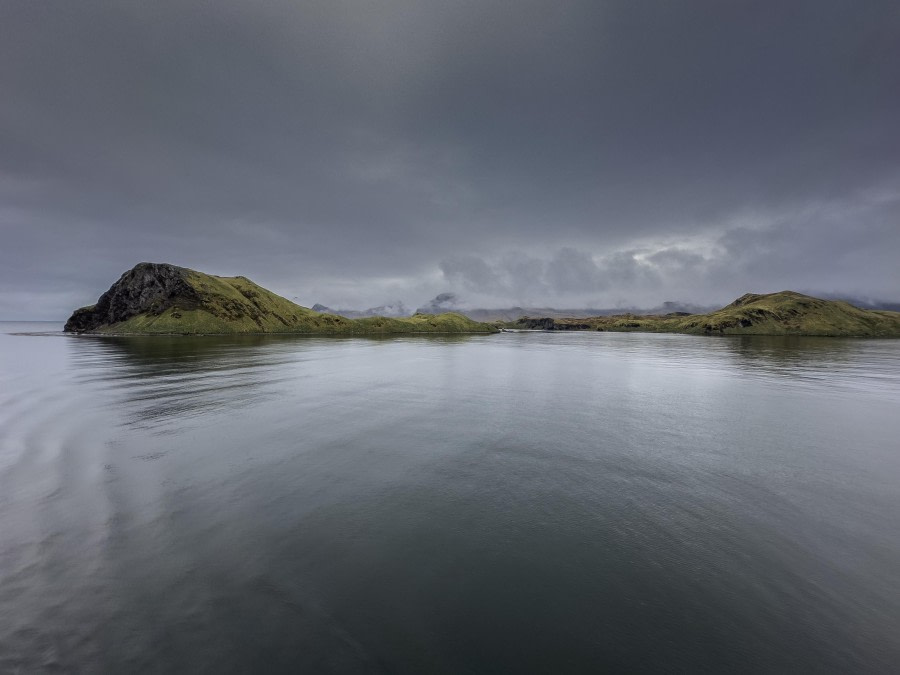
(566, 274)
(353, 153)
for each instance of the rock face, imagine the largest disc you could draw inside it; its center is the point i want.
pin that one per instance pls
(548, 323)
(148, 287)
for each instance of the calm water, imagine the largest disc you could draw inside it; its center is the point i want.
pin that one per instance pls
(535, 502)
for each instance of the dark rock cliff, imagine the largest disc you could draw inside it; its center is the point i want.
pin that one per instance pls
(148, 287)
(546, 323)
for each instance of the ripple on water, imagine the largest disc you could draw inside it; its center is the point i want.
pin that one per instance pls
(497, 502)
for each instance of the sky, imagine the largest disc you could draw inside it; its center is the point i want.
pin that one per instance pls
(531, 153)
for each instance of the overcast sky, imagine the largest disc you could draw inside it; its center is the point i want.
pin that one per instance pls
(515, 153)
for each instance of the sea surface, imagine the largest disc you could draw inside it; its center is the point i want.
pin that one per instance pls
(517, 503)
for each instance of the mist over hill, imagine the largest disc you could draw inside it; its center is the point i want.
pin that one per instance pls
(393, 309)
(452, 302)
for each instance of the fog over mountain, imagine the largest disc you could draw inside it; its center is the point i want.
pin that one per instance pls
(442, 302)
(396, 309)
(559, 154)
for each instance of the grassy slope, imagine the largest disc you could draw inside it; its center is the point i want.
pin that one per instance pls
(237, 305)
(789, 313)
(784, 313)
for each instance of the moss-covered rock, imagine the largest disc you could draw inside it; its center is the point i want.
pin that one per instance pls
(154, 298)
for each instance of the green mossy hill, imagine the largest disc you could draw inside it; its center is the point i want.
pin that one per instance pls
(784, 313)
(790, 313)
(155, 298)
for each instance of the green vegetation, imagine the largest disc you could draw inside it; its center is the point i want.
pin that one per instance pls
(164, 299)
(789, 313)
(201, 321)
(784, 313)
(160, 299)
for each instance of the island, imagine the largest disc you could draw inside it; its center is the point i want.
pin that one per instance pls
(783, 313)
(163, 299)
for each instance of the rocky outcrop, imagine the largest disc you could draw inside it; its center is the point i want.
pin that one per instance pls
(543, 323)
(148, 287)
(546, 323)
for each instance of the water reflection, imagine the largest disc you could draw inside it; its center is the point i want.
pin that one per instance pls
(156, 351)
(153, 378)
(841, 362)
(846, 363)
(499, 503)
(783, 353)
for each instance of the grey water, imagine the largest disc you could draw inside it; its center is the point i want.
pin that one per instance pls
(523, 502)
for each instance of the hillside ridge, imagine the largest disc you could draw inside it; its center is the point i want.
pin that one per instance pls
(781, 313)
(160, 298)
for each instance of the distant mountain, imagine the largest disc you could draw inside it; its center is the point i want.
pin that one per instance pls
(443, 302)
(866, 303)
(395, 309)
(670, 307)
(513, 313)
(450, 302)
(154, 298)
(784, 313)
